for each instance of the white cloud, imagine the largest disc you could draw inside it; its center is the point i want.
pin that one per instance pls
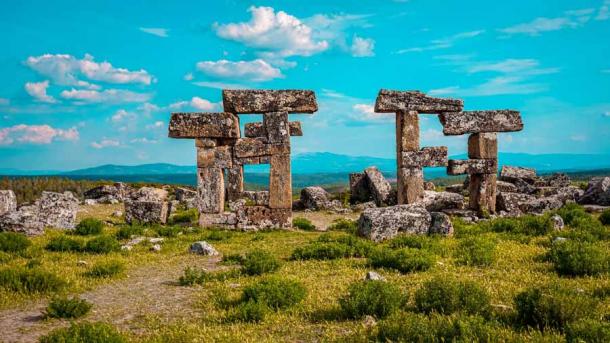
(525, 66)
(604, 11)
(122, 115)
(367, 112)
(38, 90)
(431, 134)
(36, 134)
(144, 140)
(279, 32)
(105, 143)
(196, 103)
(156, 31)
(443, 43)
(570, 19)
(220, 85)
(156, 125)
(256, 70)
(66, 70)
(4, 101)
(362, 47)
(111, 96)
(189, 77)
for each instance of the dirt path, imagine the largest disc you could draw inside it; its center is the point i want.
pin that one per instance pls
(147, 290)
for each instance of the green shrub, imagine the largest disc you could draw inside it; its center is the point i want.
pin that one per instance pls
(320, 251)
(89, 226)
(303, 224)
(602, 292)
(371, 297)
(84, 332)
(588, 331)
(233, 259)
(357, 247)
(570, 212)
(168, 231)
(275, 292)
(13, 242)
(193, 276)
(258, 262)
(67, 308)
(127, 231)
(102, 245)
(343, 224)
(218, 235)
(604, 218)
(552, 307)
(430, 243)
(404, 260)
(30, 281)
(185, 217)
(527, 225)
(445, 296)
(476, 251)
(33, 263)
(250, 311)
(65, 244)
(105, 269)
(587, 229)
(579, 258)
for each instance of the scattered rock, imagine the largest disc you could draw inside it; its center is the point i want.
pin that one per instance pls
(156, 240)
(187, 197)
(117, 214)
(155, 248)
(541, 205)
(126, 247)
(558, 180)
(315, 198)
(510, 202)
(57, 210)
(203, 248)
(25, 220)
(82, 263)
(595, 208)
(369, 322)
(90, 202)
(438, 201)
(558, 240)
(109, 193)
(371, 275)
(441, 224)
(146, 212)
(363, 206)
(557, 222)
(456, 188)
(511, 174)
(383, 223)
(8, 202)
(379, 187)
(597, 193)
(503, 186)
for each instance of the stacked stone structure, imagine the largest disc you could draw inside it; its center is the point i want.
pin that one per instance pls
(222, 153)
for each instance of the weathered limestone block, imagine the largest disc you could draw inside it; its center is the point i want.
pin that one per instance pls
(407, 132)
(523, 186)
(511, 174)
(57, 210)
(203, 125)
(459, 123)
(438, 201)
(242, 161)
(482, 190)
(503, 186)
(218, 157)
(315, 198)
(295, 128)
(540, 205)
(251, 147)
(150, 194)
(455, 188)
(277, 128)
(558, 180)
(146, 211)
(483, 145)
(379, 187)
(567, 194)
(187, 197)
(383, 223)
(106, 193)
(597, 193)
(203, 248)
(280, 182)
(210, 190)
(262, 217)
(389, 101)
(260, 198)
(410, 185)
(235, 182)
(226, 219)
(441, 224)
(359, 189)
(8, 202)
(206, 142)
(264, 101)
(426, 157)
(472, 166)
(24, 220)
(510, 202)
(254, 130)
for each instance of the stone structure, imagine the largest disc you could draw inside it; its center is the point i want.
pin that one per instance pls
(222, 153)
(410, 158)
(8, 202)
(148, 206)
(482, 165)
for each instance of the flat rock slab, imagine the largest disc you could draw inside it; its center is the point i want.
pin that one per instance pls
(265, 101)
(459, 123)
(383, 223)
(510, 174)
(438, 201)
(203, 125)
(255, 130)
(473, 166)
(391, 101)
(426, 157)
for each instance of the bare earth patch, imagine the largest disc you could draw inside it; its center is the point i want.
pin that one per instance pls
(323, 220)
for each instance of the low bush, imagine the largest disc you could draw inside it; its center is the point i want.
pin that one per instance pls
(579, 258)
(303, 224)
(404, 260)
(587, 229)
(193, 276)
(446, 296)
(527, 225)
(33, 263)
(430, 243)
(343, 224)
(250, 312)
(371, 297)
(69, 308)
(320, 251)
(127, 231)
(357, 247)
(604, 218)
(105, 269)
(102, 245)
(588, 331)
(602, 292)
(89, 226)
(64, 244)
(30, 281)
(13, 242)
(168, 231)
(218, 235)
(571, 212)
(185, 217)
(476, 251)
(552, 307)
(84, 332)
(258, 262)
(275, 292)
(233, 259)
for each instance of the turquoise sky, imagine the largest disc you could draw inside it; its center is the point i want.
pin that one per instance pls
(87, 83)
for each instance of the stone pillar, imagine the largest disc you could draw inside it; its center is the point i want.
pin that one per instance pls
(280, 182)
(410, 181)
(210, 190)
(482, 187)
(235, 182)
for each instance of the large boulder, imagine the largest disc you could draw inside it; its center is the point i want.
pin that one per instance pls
(503, 186)
(383, 223)
(540, 205)
(441, 224)
(438, 201)
(24, 220)
(8, 202)
(597, 193)
(187, 197)
(379, 187)
(359, 188)
(510, 174)
(109, 193)
(150, 194)
(203, 248)
(568, 194)
(147, 206)
(57, 210)
(510, 201)
(558, 180)
(315, 198)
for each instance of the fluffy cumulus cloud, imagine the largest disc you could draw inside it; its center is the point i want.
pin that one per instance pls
(38, 90)
(366, 112)
(105, 143)
(156, 31)
(196, 103)
(362, 47)
(569, 20)
(256, 70)
(122, 115)
(109, 96)
(36, 134)
(278, 32)
(67, 70)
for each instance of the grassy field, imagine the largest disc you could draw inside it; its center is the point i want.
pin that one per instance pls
(146, 302)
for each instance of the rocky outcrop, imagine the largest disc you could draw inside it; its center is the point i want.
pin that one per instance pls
(438, 201)
(540, 205)
(315, 198)
(383, 223)
(558, 180)
(8, 202)
(109, 193)
(597, 193)
(57, 210)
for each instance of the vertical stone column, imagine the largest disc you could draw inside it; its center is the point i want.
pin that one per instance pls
(410, 181)
(482, 187)
(280, 182)
(235, 182)
(210, 190)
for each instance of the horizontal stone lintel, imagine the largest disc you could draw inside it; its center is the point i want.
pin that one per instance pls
(426, 157)
(389, 101)
(203, 125)
(472, 166)
(255, 130)
(252, 147)
(459, 123)
(243, 101)
(242, 161)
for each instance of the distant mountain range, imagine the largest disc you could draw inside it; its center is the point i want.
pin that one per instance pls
(317, 163)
